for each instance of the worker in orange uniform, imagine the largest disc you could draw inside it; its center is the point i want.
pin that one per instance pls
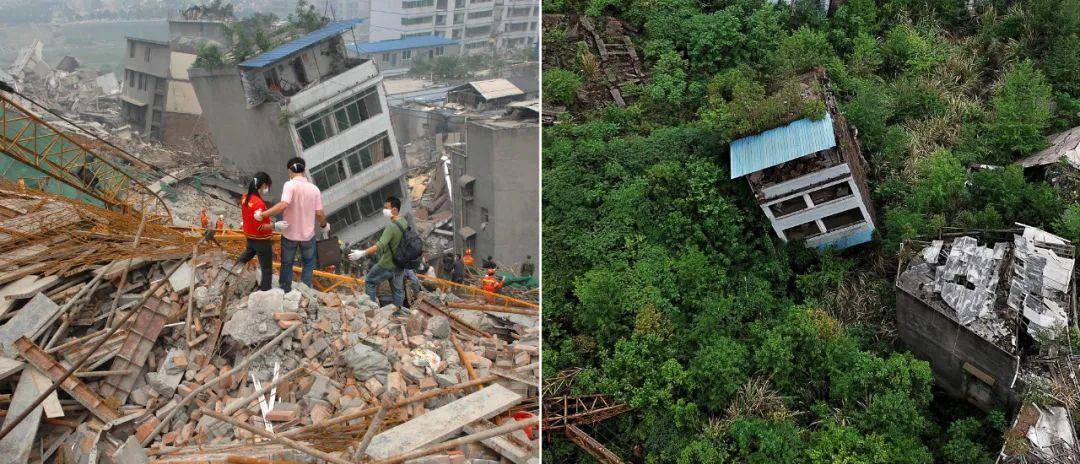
(204, 219)
(468, 259)
(491, 284)
(220, 226)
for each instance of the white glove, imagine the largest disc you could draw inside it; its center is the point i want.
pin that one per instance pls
(258, 215)
(355, 255)
(280, 226)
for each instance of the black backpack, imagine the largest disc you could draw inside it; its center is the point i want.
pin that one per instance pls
(407, 254)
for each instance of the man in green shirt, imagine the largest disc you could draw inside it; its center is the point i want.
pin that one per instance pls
(385, 269)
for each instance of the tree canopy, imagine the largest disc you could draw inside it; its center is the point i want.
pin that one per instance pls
(664, 281)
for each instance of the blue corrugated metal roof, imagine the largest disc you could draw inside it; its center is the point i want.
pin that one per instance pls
(780, 145)
(384, 46)
(291, 47)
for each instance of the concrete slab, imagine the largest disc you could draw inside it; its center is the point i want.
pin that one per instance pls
(502, 445)
(33, 316)
(180, 281)
(15, 447)
(14, 287)
(32, 289)
(443, 423)
(9, 366)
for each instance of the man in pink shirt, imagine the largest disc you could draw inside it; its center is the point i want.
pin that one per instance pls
(301, 203)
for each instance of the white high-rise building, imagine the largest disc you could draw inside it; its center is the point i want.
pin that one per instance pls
(481, 26)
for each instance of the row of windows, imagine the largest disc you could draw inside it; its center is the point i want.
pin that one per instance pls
(407, 4)
(479, 14)
(476, 45)
(131, 51)
(519, 11)
(365, 207)
(416, 34)
(408, 55)
(141, 80)
(352, 161)
(477, 31)
(332, 121)
(416, 20)
(519, 27)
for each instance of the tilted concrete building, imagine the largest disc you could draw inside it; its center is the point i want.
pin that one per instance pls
(808, 176)
(307, 98)
(972, 304)
(146, 75)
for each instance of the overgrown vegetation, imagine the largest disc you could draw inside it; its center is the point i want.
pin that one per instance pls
(664, 281)
(457, 66)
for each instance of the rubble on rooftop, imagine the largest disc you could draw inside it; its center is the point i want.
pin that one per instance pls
(967, 280)
(201, 369)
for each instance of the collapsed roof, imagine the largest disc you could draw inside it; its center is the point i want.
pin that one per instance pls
(992, 284)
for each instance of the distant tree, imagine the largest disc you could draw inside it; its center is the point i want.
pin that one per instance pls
(209, 57)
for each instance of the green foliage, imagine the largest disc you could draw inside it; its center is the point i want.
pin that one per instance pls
(1021, 114)
(667, 285)
(304, 17)
(209, 57)
(560, 85)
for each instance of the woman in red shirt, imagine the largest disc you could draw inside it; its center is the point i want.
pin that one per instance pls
(259, 233)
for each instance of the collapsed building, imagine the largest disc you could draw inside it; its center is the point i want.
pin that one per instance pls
(308, 98)
(76, 92)
(989, 310)
(808, 175)
(161, 352)
(483, 167)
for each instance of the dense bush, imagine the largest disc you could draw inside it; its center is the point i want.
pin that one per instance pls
(666, 284)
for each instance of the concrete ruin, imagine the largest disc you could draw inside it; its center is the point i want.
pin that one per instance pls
(808, 175)
(972, 304)
(159, 100)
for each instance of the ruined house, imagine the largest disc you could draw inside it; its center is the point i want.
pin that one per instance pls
(1058, 164)
(977, 304)
(808, 176)
(486, 95)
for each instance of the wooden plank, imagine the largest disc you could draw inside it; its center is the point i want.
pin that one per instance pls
(445, 422)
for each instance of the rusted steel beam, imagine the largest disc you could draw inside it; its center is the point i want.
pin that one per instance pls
(73, 386)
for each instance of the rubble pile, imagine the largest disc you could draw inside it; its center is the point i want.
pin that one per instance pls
(85, 95)
(175, 358)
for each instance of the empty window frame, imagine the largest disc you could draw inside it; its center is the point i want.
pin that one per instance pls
(364, 207)
(343, 115)
(788, 206)
(830, 193)
(407, 4)
(417, 20)
(842, 219)
(802, 231)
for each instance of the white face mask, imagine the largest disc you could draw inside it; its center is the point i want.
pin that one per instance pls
(386, 212)
(264, 190)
